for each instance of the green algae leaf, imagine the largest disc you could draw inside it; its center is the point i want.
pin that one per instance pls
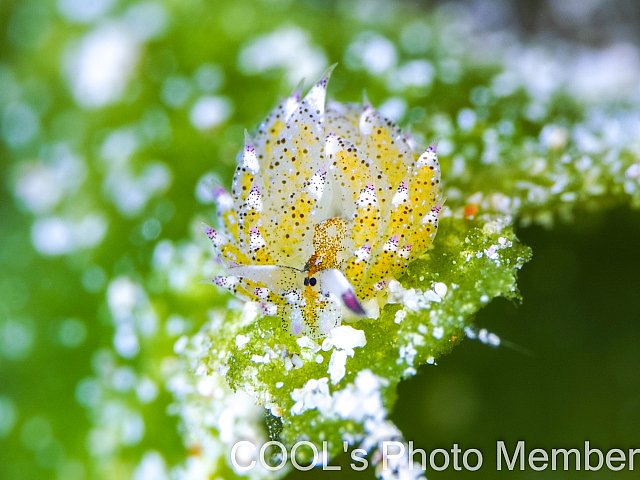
(524, 138)
(333, 212)
(301, 381)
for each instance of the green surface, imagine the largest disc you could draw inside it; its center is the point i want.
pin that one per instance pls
(84, 269)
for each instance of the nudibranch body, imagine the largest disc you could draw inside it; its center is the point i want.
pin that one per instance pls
(329, 203)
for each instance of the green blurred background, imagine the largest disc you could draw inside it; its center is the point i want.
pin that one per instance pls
(113, 110)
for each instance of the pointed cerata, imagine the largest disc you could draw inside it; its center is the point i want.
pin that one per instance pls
(328, 204)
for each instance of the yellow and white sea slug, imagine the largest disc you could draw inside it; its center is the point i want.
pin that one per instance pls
(328, 204)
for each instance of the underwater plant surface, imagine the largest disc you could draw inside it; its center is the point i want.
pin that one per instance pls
(118, 117)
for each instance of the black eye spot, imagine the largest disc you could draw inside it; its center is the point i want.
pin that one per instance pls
(306, 281)
(312, 281)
